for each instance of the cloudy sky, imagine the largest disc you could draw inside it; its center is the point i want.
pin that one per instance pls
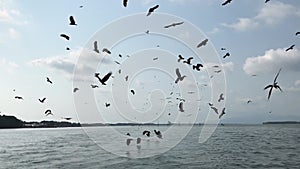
(254, 33)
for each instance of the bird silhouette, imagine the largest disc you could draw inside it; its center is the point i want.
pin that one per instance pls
(104, 79)
(147, 133)
(138, 140)
(48, 112)
(226, 55)
(106, 51)
(128, 141)
(65, 36)
(188, 61)
(132, 91)
(42, 100)
(125, 3)
(215, 109)
(147, 32)
(19, 97)
(48, 80)
(117, 62)
(180, 58)
(67, 118)
(297, 33)
(158, 133)
(197, 66)
(152, 9)
(67, 48)
(274, 85)
(155, 58)
(221, 97)
(218, 71)
(226, 2)
(72, 21)
(210, 104)
(179, 77)
(223, 48)
(94, 86)
(173, 24)
(290, 48)
(222, 113)
(203, 43)
(107, 104)
(96, 49)
(181, 107)
(75, 89)
(249, 101)
(126, 78)
(267, 1)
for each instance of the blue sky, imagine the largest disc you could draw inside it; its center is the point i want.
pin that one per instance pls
(256, 35)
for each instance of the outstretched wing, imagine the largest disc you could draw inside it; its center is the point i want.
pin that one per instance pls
(177, 72)
(106, 77)
(270, 92)
(268, 87)
(125, 3)
(277, 76)
(215, 109)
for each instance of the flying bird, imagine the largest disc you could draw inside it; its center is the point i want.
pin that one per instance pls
(65, 36)
(197, 67)
(96, 49)
(158, 133)
(215, 109)
(223, 48)
(138, 140)
(48, 80)
(181, 107)
(125, 3)
(67, 118)
(48, 112)
(203, 43)
(19, 97)
(72, 21)
(126, 78)
(147, 32)
(179, 77)
(104, 79)
(128, 141)
(227, 54)
(221, 97)
(222, 113)
(67, 48)
(132, 91)
(210, 104)
(152, 9)
(180, 58)
(290, 48)
(146, 132)
(267, 1)
(107, 104)
(218, 71)
(297, 33)
(106, 50)
(42, 100)
(155, 58)
(173, 24)
(75, 89)
(188, 61)
(249, 101)
(94, 86)
(117, 62)
(274, 85)
(226, 2)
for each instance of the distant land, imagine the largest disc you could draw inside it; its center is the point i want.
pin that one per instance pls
(13, 122)
(281, 122)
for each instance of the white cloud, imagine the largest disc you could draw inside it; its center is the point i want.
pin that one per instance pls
(297, 83)
(8, 66)
(272, 60)
(13, 33)
(270, 14)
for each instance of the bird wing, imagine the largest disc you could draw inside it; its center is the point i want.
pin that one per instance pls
(215, 109)
(268, 87)
(72, 20)
(181, 106)
(96, 46)
(226, 2)
(125, 3)
(270, 92)
(277, 75)
(177, 72)
(106, 77)
(297, 33)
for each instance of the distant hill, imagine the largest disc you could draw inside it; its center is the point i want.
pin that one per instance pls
(281, 122)
(13, 122)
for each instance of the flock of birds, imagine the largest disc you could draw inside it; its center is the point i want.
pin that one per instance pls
(179, 77)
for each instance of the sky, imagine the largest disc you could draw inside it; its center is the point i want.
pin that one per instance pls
(255, 33)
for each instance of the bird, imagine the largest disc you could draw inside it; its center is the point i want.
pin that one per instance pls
(81, 6)
(72, 21)
(65, 36)
(188, 61)
(147, 133)
(104, 79)
(215, 66)
(297, 33)
(147, 32)
(179, 77)
(107, 104)
(197, 66)
(120, 55)
(128, 134)
(218, 71)
(155, 58)
(128, 141)
(117, 62)
(210, 104)
(180, 58)
(267, 1)
(181, 107)
(152, 9)
(227, 54)
(158, 133)
(119, 71)
(125, 3)
(173, 24)
(19, 97)
(42, 100)
(138, 140)
(132, 91)
(221, 97)
(222, 113)
(126, 78)
(203, 43)
(223, 48)
(106, 50)
(226, 2)
(215, 109)
(96, 47)
(67, 48)
(48, 80)
(274, 85)
(48, 112)
(94, 86)
(290, 48)
(249, 101)
(75, 89)
(67, 118)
